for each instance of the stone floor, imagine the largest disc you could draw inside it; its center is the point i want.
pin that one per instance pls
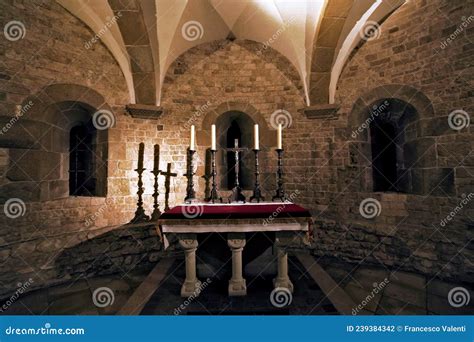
(399, 293)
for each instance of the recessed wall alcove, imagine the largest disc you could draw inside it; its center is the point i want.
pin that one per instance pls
(235, 120)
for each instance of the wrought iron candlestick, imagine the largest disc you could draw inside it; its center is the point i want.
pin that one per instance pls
(168, 174)
(236, 195)
(190, 194)
(257, 193)
(280, 193)
(156, 171)
(214, 196)
(140, 215)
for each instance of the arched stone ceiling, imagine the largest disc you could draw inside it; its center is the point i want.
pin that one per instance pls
(316, 36)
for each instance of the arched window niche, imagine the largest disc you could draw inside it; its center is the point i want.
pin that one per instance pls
(235, 126)
(389, 119)
(393, 144)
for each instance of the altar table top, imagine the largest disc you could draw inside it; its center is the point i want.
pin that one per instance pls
(246, 217)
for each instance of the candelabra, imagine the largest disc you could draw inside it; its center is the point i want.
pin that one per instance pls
(280, 193)
(214, 196)
(140, 215)
(156, 208)
(257, 193)
(190, 194)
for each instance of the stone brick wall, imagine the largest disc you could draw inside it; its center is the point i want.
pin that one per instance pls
(408, 233)
(55, 238)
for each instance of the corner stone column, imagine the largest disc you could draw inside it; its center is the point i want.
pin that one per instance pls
(237, 284)
(282, 239)
(189, 243)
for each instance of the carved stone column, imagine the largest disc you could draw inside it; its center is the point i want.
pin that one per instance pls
(282, 239)
(189, 243)
(237, 284)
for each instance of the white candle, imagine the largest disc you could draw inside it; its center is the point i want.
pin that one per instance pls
(193, 138)
(279, 137)
(213, 137)
(255, 137)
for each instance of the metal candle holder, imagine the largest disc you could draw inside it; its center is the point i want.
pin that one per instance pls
(257, 193)
(156, 208)
(190, 193)
(140, 215)
(214, 196)
(280, 193)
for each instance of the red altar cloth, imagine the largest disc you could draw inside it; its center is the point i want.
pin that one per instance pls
(235, 211)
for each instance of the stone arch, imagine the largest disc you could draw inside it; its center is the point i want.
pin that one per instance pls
(405, 109)
(406, 93)
(267, 139)
(39, 163)
(266, 53)
(40, 103)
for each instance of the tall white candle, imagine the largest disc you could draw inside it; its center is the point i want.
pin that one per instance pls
(279, 139)
(213, 137)
(192, 146)
(255, 137)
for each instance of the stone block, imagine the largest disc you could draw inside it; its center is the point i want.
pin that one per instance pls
(28, 165)
(437, 182)
(420, 153)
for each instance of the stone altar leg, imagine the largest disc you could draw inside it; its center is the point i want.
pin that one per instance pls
(189, 243)
(237, 284)
(282, 279)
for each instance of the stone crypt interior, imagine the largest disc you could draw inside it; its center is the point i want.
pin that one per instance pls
(374, 99)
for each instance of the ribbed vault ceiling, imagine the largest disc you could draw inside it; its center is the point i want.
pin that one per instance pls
(149, 35)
